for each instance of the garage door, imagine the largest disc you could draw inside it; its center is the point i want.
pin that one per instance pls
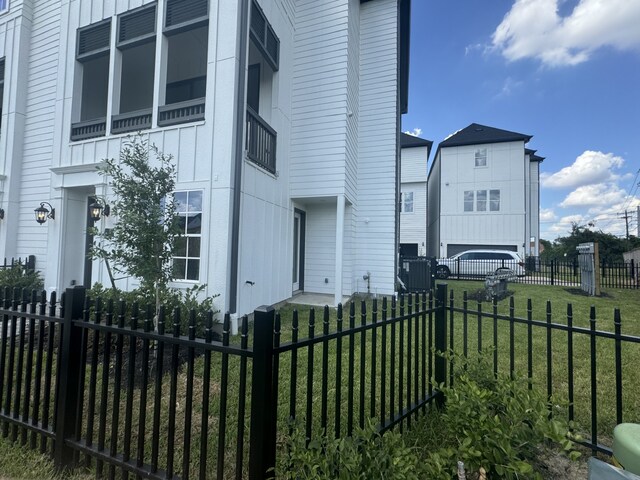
(454, 248)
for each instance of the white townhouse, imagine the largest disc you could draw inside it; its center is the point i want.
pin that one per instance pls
(484, 192)
(413, 195)
(282, 116)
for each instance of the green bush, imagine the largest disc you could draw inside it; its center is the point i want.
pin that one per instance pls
(493, 422)
(364, 455)
(172, 298)
(17, 276)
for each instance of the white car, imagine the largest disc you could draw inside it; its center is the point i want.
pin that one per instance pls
(479, 263)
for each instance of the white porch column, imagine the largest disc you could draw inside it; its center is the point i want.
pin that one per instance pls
(340, 206)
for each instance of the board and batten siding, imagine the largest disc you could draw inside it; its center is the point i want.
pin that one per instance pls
(504, 171)
(35, 178)
(378, 140)
(319, 99)
(413, 225)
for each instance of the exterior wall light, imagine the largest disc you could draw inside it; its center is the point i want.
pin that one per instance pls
(1, 213)
(96, 211)
(42, 213)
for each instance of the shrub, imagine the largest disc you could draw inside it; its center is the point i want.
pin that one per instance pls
(494, 422)
(186, 300)
(364, 455)
(17, 276)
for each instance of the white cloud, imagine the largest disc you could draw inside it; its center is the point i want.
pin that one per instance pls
(589, 168)
(415, 132)
(600, 194)
(562, 227)
(509, 87)
(547, 215)
(534, 29)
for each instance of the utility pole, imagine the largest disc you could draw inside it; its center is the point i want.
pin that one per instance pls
(626, 217)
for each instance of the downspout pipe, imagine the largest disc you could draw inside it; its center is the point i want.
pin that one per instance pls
(243, 29)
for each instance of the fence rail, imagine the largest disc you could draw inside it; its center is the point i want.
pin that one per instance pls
(536, 271)
(100, 385)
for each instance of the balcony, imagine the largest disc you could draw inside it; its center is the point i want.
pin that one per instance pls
(88, 129)
(131, 121)
(260, 141)
(181, 112)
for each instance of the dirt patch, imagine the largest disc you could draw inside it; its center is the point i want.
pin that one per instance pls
(554, 465)
(480, 295)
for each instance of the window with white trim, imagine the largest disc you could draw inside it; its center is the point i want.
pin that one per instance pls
(494, 200)
(481, 157)
(186, 259)
(406, 202)
(4, 5)
(481, 201)
(468, 201)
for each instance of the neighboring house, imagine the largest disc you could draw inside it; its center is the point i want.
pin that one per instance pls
(483, 192)
(413, 195)
(282, 117)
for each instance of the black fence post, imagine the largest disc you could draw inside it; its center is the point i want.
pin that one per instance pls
(262, 446)
(441, 337)
(552, 279)
(31, 263)
(68, 393)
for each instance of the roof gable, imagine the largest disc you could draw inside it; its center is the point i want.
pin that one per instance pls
(409, 141)
(476, 134)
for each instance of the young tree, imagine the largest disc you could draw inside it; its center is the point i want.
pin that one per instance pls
(141, 243)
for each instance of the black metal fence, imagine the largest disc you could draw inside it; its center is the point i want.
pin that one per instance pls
(27, 263)
(537, 271)
(104, 387)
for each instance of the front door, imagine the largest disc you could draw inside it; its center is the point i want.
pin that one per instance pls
(298, 250)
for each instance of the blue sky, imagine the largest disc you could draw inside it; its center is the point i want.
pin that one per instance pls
(565, 71)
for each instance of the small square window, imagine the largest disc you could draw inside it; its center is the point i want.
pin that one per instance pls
(481, 157)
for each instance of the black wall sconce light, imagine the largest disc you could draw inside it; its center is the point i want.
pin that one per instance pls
(1, 213)
(96, 211)
(42, 213)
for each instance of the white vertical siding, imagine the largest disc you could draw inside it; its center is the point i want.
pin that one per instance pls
(319, 98)
(504, 171)
(413, 225)
(377, 152)
(38, 141)
(320, 248)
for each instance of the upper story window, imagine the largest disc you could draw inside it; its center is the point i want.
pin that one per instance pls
(186, 259)
(186, 31)
(481, 201)
(4, 6)
(406, 202)
(182, 76)
(481, 157)
(264, 58)
(136, 54)
(92, 56)
(468, 201)
(494, 200)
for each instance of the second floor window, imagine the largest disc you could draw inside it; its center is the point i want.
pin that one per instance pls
(481, 201)
(4, 5)
(494, 200)
(481, 157)
(468, 201)
(406, 201)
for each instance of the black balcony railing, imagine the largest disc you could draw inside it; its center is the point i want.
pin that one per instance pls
(131, 121)
(181, 112)
(260, 141)
(89, 129)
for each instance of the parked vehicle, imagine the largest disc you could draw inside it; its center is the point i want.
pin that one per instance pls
(478, 263)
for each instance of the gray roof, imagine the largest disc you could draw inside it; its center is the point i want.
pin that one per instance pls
(409, 141)
(476, 134)
(532, 155)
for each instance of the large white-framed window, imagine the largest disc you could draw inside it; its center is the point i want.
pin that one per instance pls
(481, 157)
(468, 200)
(406, 202)
(186, 259)
(4, 6)
(494, 200)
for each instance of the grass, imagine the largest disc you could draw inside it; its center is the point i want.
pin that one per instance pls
(322, 384)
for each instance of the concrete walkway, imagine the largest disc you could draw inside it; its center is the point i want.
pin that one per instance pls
(315, 299)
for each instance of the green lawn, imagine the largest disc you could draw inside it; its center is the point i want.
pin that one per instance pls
(311, 379)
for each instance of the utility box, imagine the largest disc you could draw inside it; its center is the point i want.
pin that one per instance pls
(588, 262)
(416, 273)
